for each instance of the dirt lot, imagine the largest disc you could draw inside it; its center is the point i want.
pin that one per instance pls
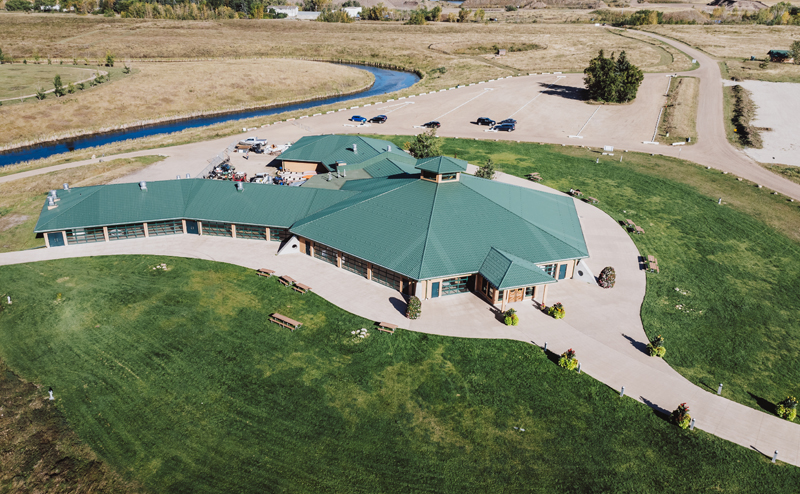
(169, 90)
(778, 107)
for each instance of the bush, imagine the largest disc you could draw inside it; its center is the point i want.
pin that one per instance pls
(656, 347)
(417, 18)
(40, 94)
(680, 416)
(511, 317)
(568, 360)
(23, 5)
(510, 8)
(787, 409)
(109, 59)
(607, 277)
(556, 310)
(414, 308)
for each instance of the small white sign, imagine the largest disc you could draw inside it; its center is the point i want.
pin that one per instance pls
(608, 149)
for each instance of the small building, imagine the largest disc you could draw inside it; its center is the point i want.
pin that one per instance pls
(421, 227)
(501, 52)
(290, 11)
(354, 12)
(780, 56)
(307, 16)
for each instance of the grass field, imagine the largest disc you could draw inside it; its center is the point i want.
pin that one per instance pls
(177, 380)
(21, 200)
(680, 113)
(775, 72)
(18, 80)
(737, 262)
(174, 90)
(40, 452)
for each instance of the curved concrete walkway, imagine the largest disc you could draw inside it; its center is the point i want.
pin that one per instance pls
(603, 326)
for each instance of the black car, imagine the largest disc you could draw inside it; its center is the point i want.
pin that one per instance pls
(432, 125)
(379, 119)
(506, 127)
(508, 120)
(485, 121)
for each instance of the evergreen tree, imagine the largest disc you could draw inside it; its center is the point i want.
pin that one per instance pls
(486, 171)
(58, 86)
(425, 145)
(630, 78)
(612, 81)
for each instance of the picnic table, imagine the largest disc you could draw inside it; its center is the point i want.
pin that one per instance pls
(630, 224)
(638, 229)
(265, 272)
(534, 176)
(286, 281)
(386, 327)
(299, 287)
(652, 264)
(575, 192)
(284, 321)
(592, 200)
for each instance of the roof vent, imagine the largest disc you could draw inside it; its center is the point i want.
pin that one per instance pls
(143, 185)
(239, 186)
(188, 175)
(51, 203)
(355, 148)
(177, 177)
(54, 194)
(389, 147)
(66, 187)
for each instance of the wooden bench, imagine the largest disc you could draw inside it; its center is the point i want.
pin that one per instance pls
(534, 176)
(299, 287)
(265, 272)
(652, 264)
(285, 321)
(638, 229)
(630, 224)
(592, 200)
(386, 327)
(575, 192)
(286, 281)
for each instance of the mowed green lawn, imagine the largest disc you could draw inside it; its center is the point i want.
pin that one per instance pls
(22, 80)
(734, 316)
(177, 379)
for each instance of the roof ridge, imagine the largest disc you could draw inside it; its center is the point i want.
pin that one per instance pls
(95, 191)
(428, 232)
(523, 218)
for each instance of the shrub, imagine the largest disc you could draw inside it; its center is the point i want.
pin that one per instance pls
(71, 88)
(680, 416)
(81, 86)
(556, 310)
(109, 59)
(511, 317)
(568, 360)
(510, 8)
(656, 347)
(787, 409)
(40, 94)
(607, 277)
(126, 70)
(414, 308)
(23, 5)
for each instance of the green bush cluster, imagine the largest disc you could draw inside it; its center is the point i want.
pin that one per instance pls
(568, 360)
(680, 416)
(511, 317)
(607, 277)
(787, 409)
(414, 308)
(556, 310)
(656, 347)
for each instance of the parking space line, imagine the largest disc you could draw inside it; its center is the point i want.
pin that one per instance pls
(485, 91)
(587, 122)
(534, 98)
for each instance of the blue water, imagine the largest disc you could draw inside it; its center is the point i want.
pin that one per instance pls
(386, 81)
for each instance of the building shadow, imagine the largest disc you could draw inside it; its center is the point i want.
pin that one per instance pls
(642, 347)
(765, 405)
(660, 412)
(566, 92)
(399, 305)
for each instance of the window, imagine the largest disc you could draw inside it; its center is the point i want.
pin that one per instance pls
(252, 232)
(354, 265)
(448, 176)
(217, 229)
(85, 235)
(485, 286)
(122, 232)
(278, 234)
(529, 291)
(170, 227)
(325, 254)
(386, 277)
(550, 269)
(454, 285)
(428, 175)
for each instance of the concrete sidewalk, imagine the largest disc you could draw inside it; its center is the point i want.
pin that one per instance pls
(603, 326)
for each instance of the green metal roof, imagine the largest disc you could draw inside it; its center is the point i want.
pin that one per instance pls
(330, 149)
(426, 230)
(504, 270)
(442, 164)
(205, 200)
(780, 53)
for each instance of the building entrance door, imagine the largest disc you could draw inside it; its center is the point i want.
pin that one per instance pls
(435, 289)
(516, 295)
(191, 227)
(55, 239)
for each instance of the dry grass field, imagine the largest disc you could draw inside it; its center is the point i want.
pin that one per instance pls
(680, 114)
(738, 70)
(742, 41)
(170, 90)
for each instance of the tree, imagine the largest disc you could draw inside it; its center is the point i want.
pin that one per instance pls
(417, 18)
(351, 3)
(486, 171)
(19, 5)
(463, 14)
(376, 13)
(58, 86)
(612, 81)
(480, 14)
(795, 51)
(40, 94)
(425, 145)
(109, 59)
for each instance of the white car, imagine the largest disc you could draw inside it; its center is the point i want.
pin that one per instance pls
(254, 140)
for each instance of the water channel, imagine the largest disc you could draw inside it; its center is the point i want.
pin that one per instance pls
(386, 81)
